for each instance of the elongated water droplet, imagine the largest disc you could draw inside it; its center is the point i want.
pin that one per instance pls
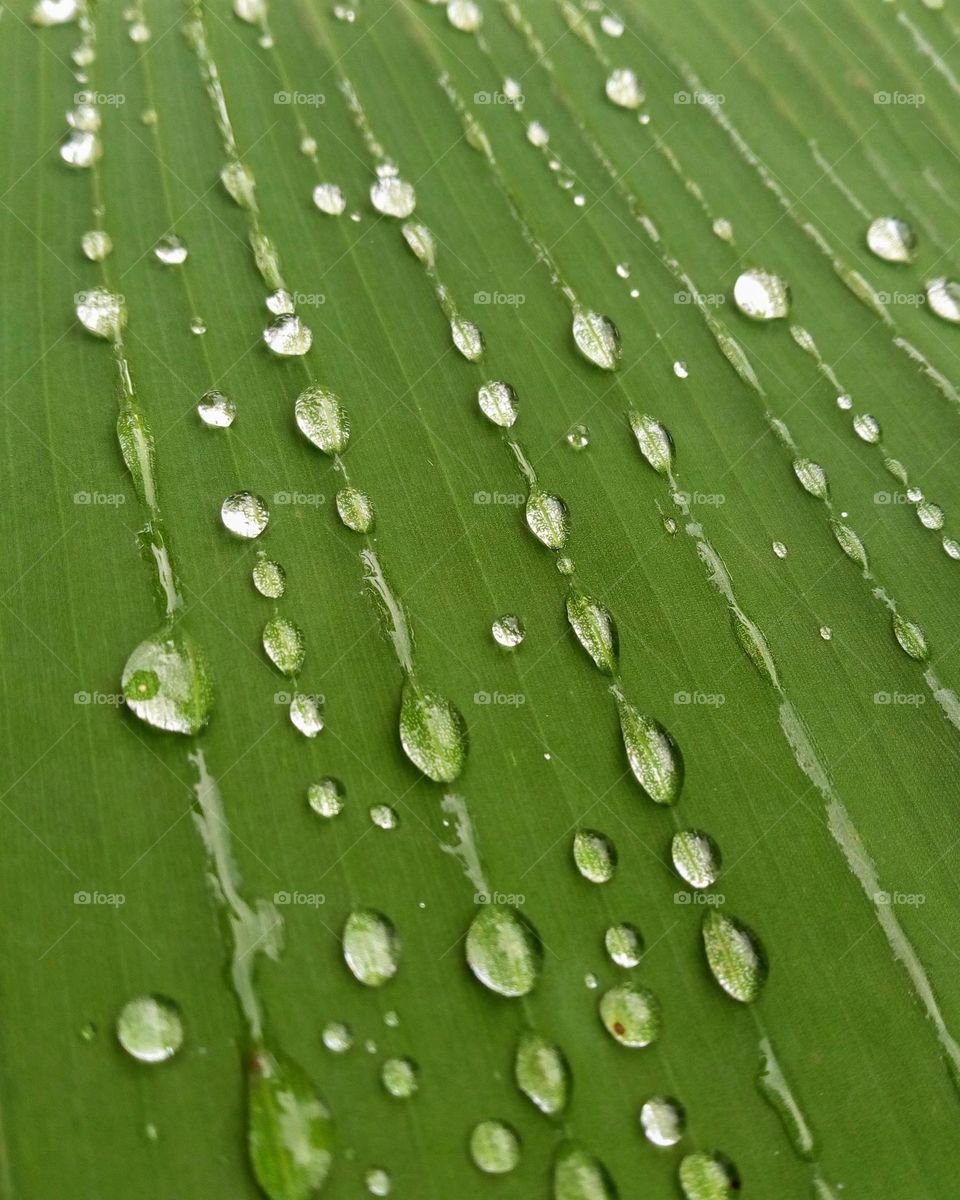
(383, 816)
(930, 515)
(421, 241)
(548, 519)
(150, 1028)
(432, 732)
(951, 547)
(707, 1177)
(779, 549)
(508, 631)
(578, 1175)
(96, 244)
(102, 312)
(537, 135)
(165, 683)
(326, 797)
(631, 1015)
(866, 428)
(542, 1072)
(494, 1147)
(624, 944)
(735, 956)
(849, 542)
(596, 630)
(464, 15)
(761, 295)
(170, 250)
(943, 296)
(371, 947)
(623, 88)
(399, 1077)
(269, 578)
(337, 1037)
(812, 477)
(597, 338)
(245, 514)
(498, 403)
(504, 951)
(910, 637)
(654, 440)
(612, 25)
(322, 419)
(237, 179)
(285, 645)
(305, 715)
(654, 757)
(81, 148)
(467, 338)
(290, 1131)
(696, 857)
(892, 239)
(287, 336)
(663, 1120)
(329, 199)
(595, 855)
(393, 196)
(355, 509)
(216, 410)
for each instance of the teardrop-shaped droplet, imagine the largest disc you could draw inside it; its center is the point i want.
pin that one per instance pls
(337, 1037)
(305, 715)
(322, 419)
(421, 241)
(280, 302)
(892, 239)
(849, 542)
(432, 732)
(96, 244)
(245, 514)
(654, 757)
(378, 1180)
(504, 951)
(631, 1015)
(285, 645)
(237, 179)
(707, 1177)
(812, 477)
(654, 440)
(542, 1072)
(910, 637)
(290, 1133)
(624, 944)
(578, 1175)
(269, 578)
(81, 148)
(465, 15)
(165, 683)
(287, 336)
(548, 519)
(102, 312)
(867, 428)
(400, 1078)
(393, 196)
(326, 797)
(943, 296)
(498, 403)
(623, 88)
(508, 631)
(696, 857)
(329, 199)
(467, 338)
(355, 509)
(595, 855)
(371, 947)
(494, 1147)
(761, 295)
(170, 250)
(537, 135)
(597, 338)
(663, 1120)
(930, 515)
(735, 956)
(216, 409)
(596, 630)
(150, 1028)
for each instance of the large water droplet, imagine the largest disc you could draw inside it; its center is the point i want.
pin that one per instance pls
(393, 196)
(548, 519)
(165, 683)
(631, 1015)
(910, 637)
(81, 148)
(432, 732)
(322, 419)
(285, 645)
(892, 239)
(623, 88)
(812, 477)
(597, 338)
(102, 312)
(355, 509)
(326, 797)
(930, 515)
(578, 1175)
(504, 951)
(329, 199)
(761, 295)
(867, 428)
(596, 630)
(654, 440)
(245, 514)
(399, 1077)
(663, 1120)
(216, 410)
(943, 296)
(595, 855)
(696, 857)
(170, 250)
(290, 1131)
(542, 1072)
(269, 578)
(498, 403)
(150, 1028)
(735, 956)
(288, 337)
(96, 244)
(507, 631)
(707, 1177)
(55, 12)
(654, 757)
(624, 944)
(371, 947)
(494, 1147)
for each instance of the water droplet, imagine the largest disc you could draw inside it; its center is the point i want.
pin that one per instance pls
(308, 147)
(305, 715)
(735, 956)
(930, 515)
(578, 437)
(812, 477)
(371, 947)
(285, 645)
(595, 855)
(280, 302)
(254, 12)
(287, 336)
(86, 118)
(329, 199)
(914, 495)
(892, 239)
(680, 370)
(590, 981)
(88, 1031)
(631, 1014)
(337, 1037)
(663, 1120)
(623, 270)
(81, 148)
(55, 12)
(378, 1181)
(707, 1177)
(467, 338)
(951, 547)
(237, 179)
(565, 566)
(421, 241)
(696, 857)
(845, 402)
(578, 1175)
(384, 817)
(611, 25)
(197, 325)
(542, 1072)
(96, 244)
(290, 1130)
(326, 797)
(399, 1077)
(498, 403)
(216, 409)
(322, 419)
(654, 440)
(102, 312)
(244, 514)
(494, 1147)
(150, 1028)
(654, 757)
(355, 509)
(849, 542)
(170, 250)
(165, 683)
(393, 196)
(723, 229)
(911, 638)
(596, 630)
(761, 295)
(504, 951)
(779, 549)
(269, 578)
(548, 519)
(943, 296)
(826, 632)
(343, 12)
(624, 944)
(623, 88)
(432, 732)
(597, 338)
(508, 631)
(537, 134)
(866, 428)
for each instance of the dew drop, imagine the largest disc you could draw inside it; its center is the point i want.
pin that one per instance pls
(393, 196)
(165, 683)
(943, 296)
(565, 566)
(102, 312)
(280, 302)
(930, 515)
(285, 645)
(761, 295)
(150, 1028)
(508, 631)
(611, 25)
(624, 944)
(623, 88)
(329, 199)
(337, 1037)
(631, 1015)
(287, 336)
(548, 519)
(305, 715)
(84, 117)
(623, 270)
(735, 956)
(826, 632)
(653, 755)
(494, 1147)
(197, 326)
(951, 547)
(892, 239)
(707, 1177)
(238, 181)
(269, 578)
(96, 244)
(910, 637)
(81, 148)
(254, 12)
(290, 1129)
(498, 403)
(654, 441)
(308, 146)
(355, 509)
(55, 12)
(578, 1175)
(244, 514)
(597, 338)
(378, 1181)
(322, 419)
(384, 817)
(537, 135)
(432, 733)
(371, 947)
(663, 1120)
(866, 428)
(216, 409)
(542, 1072)
(723, 229)
(578, 437)
(590, 981)
(343, 12)
(812, 477)
(779, 549)
(596, 630)
(326, 797)
(503, 951)
(845, 402)
(849, 542)
(696, 857)
(467, 338)
(914, 495)
(421, 241)
(680, 370)
(170, 250)
(595, 855)
(400, 1077)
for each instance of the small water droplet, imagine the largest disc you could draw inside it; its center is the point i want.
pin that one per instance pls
(216, 409)
(866, 428)
(631, 1015)
(590, 981)
(55, 12)
(930, 515)
(826, 632)
(623, 270)
(951, 547)
(355, 509)
(779, 549)
(537, 135)
(239, 183)
(542, 1072)
(88, 1031)
(150, 1028)
(707, 1177)
(343, 12)
(578, 437)
(329, 199)
(305, 715)
(595, 855)
(845, 402)
(371, 947)
(96, 244)
(498, 403)
(245, 514)
(623, 88)
(421, 241)
(696, 857)
(663, 1120)
(102, 312)
(892, 239)
(503, 951)
(654, 441)
(653, 755)
(170, 250)
(494, 1147)
(548, 519)
(467, 338)
(86, 118)
(914, 495)
(322, 419)
(508, 631)
(326, 797)
(681, 370)
(910, 637)
(761, 295)
(433, 733)
(337, 1037)
(812, 477)
(384, 817)
(285, 645)
(81, 148)
(308, 146)
(393, 196)
(597, 338)
(595, 629)
(165, 683)
(280, 302)
(943, 296)
(399, 1077)
(287, 336)
(378, 1181)
(565, 566)
(624, 944)
(197, 325)
(735, 956)
(578, 1175)
(611, 25)
(269, 578)
(723, 229)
